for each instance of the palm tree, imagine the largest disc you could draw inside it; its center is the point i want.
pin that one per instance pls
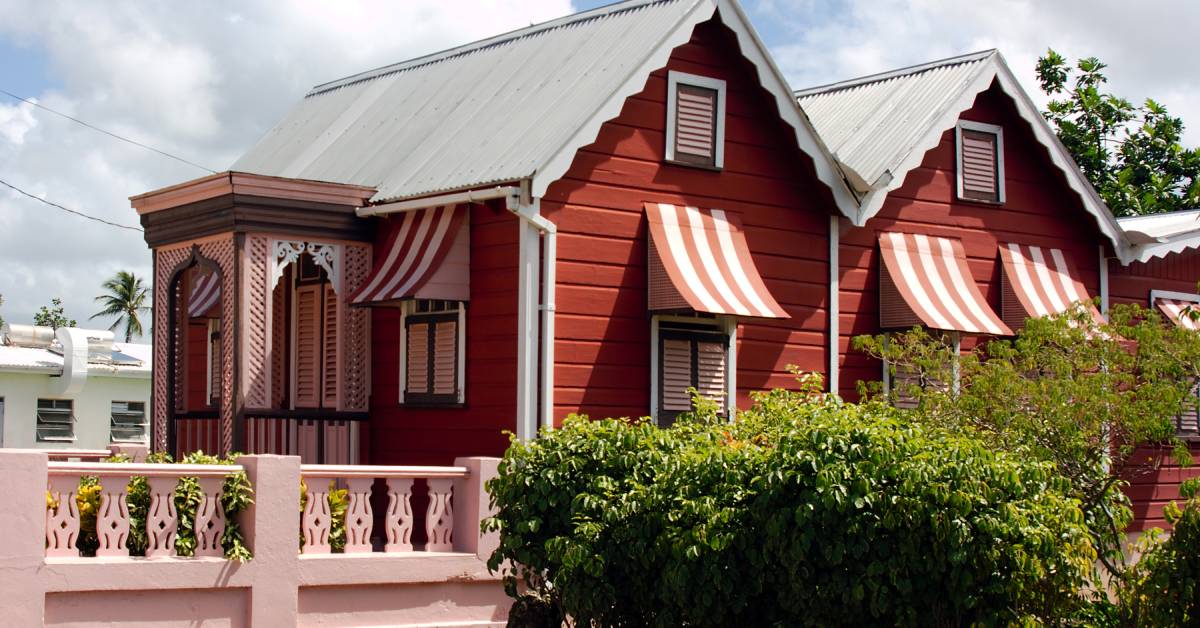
(126, 299)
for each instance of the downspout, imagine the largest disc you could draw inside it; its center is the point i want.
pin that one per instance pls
(528, 209)
(834, 304)
(1103, 283)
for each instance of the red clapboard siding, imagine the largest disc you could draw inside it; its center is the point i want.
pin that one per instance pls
(412, 435)
(602, 352)
(1177, 272)
(1039, 209)
(1154, 478)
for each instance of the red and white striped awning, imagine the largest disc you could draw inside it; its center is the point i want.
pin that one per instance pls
(416, 251)
(205, 293)
(1040, 282)
(1178, 311)
(925, 280)
(699, 260)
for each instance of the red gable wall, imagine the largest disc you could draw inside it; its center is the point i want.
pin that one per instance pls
(1039, 209)
(602, 348)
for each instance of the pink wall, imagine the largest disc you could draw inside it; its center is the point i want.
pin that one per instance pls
(279, 587)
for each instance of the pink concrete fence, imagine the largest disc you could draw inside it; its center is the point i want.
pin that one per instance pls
(392, 581)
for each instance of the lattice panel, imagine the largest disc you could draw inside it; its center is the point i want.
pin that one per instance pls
(164, 263)
(221, 252)
(278, 344)
(356, 334)
(256, 376)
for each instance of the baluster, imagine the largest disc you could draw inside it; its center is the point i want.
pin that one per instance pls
(62, 523)
(210, 518)
(112, 519)
(399, 519)
(359, 516)
(316, 519)
(439, 518)
(162, 520)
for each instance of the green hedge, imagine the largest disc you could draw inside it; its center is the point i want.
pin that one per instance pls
(804, 511)
(1164, 587)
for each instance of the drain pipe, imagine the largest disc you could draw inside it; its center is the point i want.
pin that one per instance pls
(528, 209)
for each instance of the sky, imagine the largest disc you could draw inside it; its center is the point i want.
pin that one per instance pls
(204, 81)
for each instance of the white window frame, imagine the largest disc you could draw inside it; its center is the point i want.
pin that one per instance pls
(981, 127)
(145, 424)
(54, 439)
(674, 80)
(727, 325)
(409, 307)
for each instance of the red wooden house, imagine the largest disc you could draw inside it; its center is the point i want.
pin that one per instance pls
(588, 215)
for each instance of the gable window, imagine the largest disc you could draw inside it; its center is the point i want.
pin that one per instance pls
(695, 120)
(431, 352)
(980, 157)
(128, 422)
(55, 420)
(691, 353)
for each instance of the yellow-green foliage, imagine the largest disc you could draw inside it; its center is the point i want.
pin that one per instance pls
(339, 501)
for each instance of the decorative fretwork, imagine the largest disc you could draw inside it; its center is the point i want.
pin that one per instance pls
(165, 263)
(359, 515)
(210, 518)
(112, 517)
(324, 255)
(221, 251)
(62, 517)
(399, 519)
(162, 520)
(439, 519)
(316, 518)
(356, 332)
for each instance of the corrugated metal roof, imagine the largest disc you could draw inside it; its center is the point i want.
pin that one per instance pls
(1159, 235)
(489, 112)
(872, 123)
(128, 359)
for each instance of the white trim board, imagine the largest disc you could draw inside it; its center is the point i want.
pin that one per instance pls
(981, 127)
(674, 80)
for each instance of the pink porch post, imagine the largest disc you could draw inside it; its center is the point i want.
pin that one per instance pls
(22, 535)
(471, 508)
(269, 526)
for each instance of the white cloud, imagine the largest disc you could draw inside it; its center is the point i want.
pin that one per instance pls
(200, 80)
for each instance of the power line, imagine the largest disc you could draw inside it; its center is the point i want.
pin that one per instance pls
(108, 133)
(67, 209)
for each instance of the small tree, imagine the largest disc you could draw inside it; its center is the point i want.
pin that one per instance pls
(126, 300)
(53, 316)
(1067, 391)
(1132, 155)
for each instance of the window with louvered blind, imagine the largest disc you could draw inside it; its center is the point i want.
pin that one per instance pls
(432, 353)
(307, 356)
(980, 157)
(690, 356)
(695, 120)
(1187, 423)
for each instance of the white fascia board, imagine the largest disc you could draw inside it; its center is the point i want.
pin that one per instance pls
(829, 171)
(1061, 157)
(1171, 294)
(555, 167)
(915, 155)
(1168, 246)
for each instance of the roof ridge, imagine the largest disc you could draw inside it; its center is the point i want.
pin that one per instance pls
(889, 74)
(533, 29)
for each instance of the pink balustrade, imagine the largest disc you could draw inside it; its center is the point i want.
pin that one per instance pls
(81, 455)
(63, 518)
(398, 521)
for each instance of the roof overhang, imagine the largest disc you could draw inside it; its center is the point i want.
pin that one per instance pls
(247, 184)
(1159, 235)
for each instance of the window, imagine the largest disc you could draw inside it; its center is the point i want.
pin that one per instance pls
(1187, 424)
(903, 384)
(431, 353)
(690, 353)
(980, 156)
(695, 120)
(55, 420)
(128, 422)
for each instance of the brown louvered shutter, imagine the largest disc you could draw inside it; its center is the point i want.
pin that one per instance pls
(329, 387)
(1188, 421)
(710, 371)
(417, 359)
(695, 125)
(214, 362)
(445, 359)
(980, 179)
(308, 345)
(676, 375)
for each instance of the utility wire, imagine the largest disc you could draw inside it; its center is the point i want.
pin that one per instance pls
(108, 133)
(66, 209)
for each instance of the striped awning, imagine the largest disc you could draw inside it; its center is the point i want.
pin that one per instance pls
(699, 261)
(416, 251)
(1038, 282)
(925, 280)
(205, 293)
(1178, 311)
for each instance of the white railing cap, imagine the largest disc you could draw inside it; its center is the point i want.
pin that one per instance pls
(380, 471)
(142, 468)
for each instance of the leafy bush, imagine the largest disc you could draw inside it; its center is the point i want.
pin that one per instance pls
(339, 501)
(1163, 588)
(803, 511)
(237, 494)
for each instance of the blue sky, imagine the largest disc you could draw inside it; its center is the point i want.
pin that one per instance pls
(205, 80)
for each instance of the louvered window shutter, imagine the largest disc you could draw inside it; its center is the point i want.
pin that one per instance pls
(979, 173)
(417, 362)
(445, 359)
(330, 372)
(696, 125)
(308, 345)
(1188, 421)
(214, 363)
(710, 371)
(676, 375)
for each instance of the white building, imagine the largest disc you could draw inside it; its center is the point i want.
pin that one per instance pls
(74, 389)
